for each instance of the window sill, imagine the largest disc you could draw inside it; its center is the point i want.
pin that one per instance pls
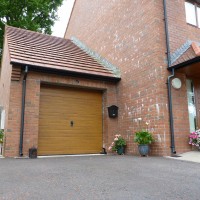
(195, 26)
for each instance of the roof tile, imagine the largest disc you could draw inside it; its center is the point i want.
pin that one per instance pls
(186, 52)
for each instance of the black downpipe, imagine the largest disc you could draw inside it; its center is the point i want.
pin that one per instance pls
(171, 120)
(173, 150)
(22, 112)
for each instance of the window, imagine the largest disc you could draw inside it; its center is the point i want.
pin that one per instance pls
(192, 11)
(198, 16)
(191, 105)
(2, 118)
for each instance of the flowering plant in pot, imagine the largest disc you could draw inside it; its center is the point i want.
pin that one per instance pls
(118, 144)
(194, 138)
(143, 138)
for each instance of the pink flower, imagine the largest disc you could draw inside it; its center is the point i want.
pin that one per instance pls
(110, 148)
(116, 139)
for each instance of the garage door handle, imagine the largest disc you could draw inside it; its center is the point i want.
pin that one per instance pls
(72, 123)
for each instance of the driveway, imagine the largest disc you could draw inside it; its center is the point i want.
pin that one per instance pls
(99, 178)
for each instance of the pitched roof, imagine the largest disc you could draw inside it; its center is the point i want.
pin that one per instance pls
(186, 52)
(45, 51)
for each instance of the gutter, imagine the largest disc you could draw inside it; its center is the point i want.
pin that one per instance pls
(171, 120)
(22, 112)
(186, 63)
(61, 72)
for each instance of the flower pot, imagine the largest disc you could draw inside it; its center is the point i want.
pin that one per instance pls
(143, 149)
(121, 150)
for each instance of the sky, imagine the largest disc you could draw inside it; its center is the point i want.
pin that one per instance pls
(63, 13)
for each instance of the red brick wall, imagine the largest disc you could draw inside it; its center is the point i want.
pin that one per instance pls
(130, 34)
(179, 30)
(11, 145)
(32, 109)
(180, 115)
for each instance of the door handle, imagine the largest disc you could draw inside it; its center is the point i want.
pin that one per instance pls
(72, 123)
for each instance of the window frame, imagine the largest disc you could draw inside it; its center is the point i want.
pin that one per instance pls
(196, 5)
(193, 117)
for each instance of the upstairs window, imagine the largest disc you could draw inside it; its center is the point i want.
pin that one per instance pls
(192, 11)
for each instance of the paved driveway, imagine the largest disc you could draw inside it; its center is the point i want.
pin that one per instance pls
(98, 178)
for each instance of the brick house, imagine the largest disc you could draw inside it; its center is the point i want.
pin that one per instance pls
(154, 50)
(152, 42)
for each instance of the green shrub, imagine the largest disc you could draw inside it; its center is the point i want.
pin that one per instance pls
(1, 135)
(143, 137)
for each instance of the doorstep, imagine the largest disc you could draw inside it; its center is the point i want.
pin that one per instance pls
(192, 156)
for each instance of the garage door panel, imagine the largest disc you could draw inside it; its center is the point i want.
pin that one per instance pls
(69, 146)
(73, 141)
(69, 141)
(73, 109)
(58, 107)
(70, 152)
(67, 123)
(63, 133)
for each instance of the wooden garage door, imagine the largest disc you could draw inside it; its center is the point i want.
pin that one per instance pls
(70, 121)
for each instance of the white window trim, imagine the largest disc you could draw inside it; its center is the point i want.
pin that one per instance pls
(197, 18)
(2, 119)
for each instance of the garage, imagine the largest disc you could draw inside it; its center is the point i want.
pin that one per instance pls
(70, 121)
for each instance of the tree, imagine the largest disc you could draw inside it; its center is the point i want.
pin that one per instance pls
(35, 15)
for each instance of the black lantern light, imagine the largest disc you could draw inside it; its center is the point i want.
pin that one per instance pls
(113, 111)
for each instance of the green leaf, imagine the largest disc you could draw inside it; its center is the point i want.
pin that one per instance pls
(1, 136)
(143, 137)
(35, 15)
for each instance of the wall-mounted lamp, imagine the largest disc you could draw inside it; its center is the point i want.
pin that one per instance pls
(176, 83)
(113, 111)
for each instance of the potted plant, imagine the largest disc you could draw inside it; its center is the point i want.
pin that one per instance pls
(194, 138)
(143, 138)
(118, 145)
